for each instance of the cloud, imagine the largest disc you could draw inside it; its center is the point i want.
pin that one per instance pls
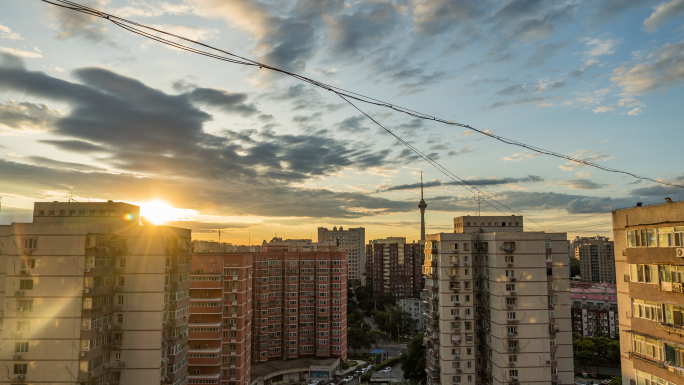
(588, 99)
(598, 47)
(366, 27)
(433, 17)
(608, 9)
(254, 198)
(465, 150)
(353, 124)
(661, 69)
(582, 184)
(188, 32)
(74, 145)
(6, 33)
(589, 63)
(147, 131)
(602, 109)
(663, 13)
(287, 39)
(586, 155)
(71, 24)
(231, 103)
(27, 115)
(22, 53)
(517, 102)
(635, 111)
(471, 182)
(520, 156)
(660, 191)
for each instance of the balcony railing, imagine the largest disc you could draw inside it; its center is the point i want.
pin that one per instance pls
(670, 328)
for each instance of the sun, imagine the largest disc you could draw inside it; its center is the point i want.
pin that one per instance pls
(157, 212)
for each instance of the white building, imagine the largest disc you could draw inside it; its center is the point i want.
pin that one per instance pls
(414, 306)
(352, 242)
(498, 307)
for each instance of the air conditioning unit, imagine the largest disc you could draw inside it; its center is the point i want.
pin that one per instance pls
(24, 271)
(512, 278)
(19, 378)
(509, 264)
(86, 291)
(680, 252)
(513, 293)
(465, 263)
(20, 309)
(86, 270)
(100, 329)
(514, 378)
(511, 335)
(83, 354)
(548, 362)
(19, 293)
(91, 374)
(17, 357)
(511, 364)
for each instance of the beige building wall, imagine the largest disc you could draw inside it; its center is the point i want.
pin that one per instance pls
(659, 250)
(84, 298)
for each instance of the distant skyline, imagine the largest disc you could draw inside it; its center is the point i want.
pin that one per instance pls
(90, 111)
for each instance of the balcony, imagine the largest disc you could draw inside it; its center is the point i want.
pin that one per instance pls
(647, 359)
(670, 328)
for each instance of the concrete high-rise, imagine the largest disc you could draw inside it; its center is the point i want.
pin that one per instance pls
(497, 304)
(89, 296)
(351, 241)
(649, 251)
(394, 267)
(251, 308)
(597, 259)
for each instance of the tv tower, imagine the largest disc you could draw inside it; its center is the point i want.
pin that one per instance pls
(422, 205)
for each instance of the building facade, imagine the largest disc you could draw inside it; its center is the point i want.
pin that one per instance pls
(251, 308)
(351, 241)
(89, 296)
(414, 306)
(497, 304)
(597, 258)
(594, 309)
(394, 267)
(648, 241)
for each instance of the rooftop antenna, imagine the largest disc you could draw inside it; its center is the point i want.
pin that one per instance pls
(219, 236)
(478, 199)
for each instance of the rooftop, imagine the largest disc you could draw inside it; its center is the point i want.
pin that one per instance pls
(265, 368)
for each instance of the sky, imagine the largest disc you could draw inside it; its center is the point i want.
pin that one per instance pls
(92, 112)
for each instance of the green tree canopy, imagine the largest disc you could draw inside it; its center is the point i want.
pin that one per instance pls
(413, 364)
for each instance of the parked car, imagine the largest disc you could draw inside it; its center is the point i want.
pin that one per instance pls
(387, 369)
(313, 382)
(348, 379)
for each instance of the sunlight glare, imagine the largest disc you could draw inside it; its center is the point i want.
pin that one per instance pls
(157, 212)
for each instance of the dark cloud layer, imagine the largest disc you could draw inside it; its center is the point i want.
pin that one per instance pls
(147, 131)
(472, 182)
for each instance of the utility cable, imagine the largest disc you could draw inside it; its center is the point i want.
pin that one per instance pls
(233, 58)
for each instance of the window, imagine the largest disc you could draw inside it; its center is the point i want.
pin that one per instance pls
(510, 287)
(20, 368)
(30, 243)
(28, 263)
(26, 284)
(23, 326)
(21, 347)
(120, 299)
(121, 281)
(466, 246)
(513, 372)
(122, 262)
(25, 304)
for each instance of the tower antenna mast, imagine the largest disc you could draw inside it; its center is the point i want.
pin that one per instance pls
(479, 199)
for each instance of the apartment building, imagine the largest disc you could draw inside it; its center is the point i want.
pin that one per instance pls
(220, 319)
(594, 309)
(414, 306)
(251, 308)
(292, 245)
(394, 267)
(90, 296)
(352, 242)
(497, 304)
(597, 258)
(649, 245)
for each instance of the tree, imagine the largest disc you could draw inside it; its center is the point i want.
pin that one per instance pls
(413, 363)
(574, 267)
(359, 336)
(615, 381)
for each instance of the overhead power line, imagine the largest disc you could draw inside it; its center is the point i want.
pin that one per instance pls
(347, 95)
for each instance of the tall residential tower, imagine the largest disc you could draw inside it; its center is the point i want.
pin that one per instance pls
(497, 304)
